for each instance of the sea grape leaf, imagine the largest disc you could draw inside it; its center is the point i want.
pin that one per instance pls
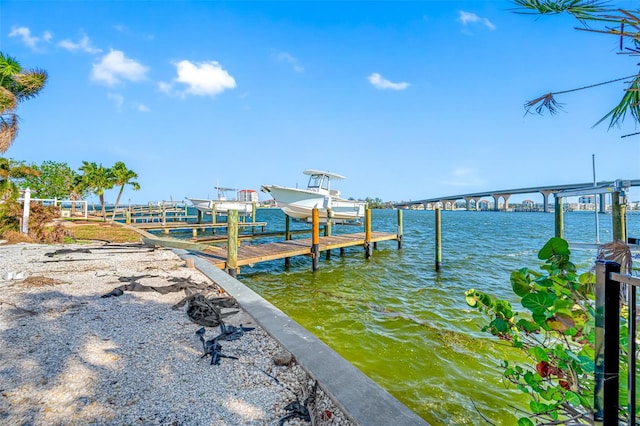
(525, 421)
(560, 322)
(538, 353)
(538, 303)
(555, 246)
(520, 283)
(528, 326)
(573, 398)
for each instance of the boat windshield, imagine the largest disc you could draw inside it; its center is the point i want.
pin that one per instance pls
(318, 181)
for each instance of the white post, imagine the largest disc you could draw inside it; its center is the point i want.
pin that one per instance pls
(25, 211)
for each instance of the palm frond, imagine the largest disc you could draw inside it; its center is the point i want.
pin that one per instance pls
(8, 101)
(581, 9)
(629, 104)
(544, 103)
(8, 132)
(29, 84)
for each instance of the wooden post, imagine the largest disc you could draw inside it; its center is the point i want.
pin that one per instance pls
(287, 236)
(194, 232)
(559, 214)
(399, 229)
(213, 218)
(368, 248)
(315, 239)
(253, 216)
(232, 242)
(438, 241)
(618, 217)
(327, 230)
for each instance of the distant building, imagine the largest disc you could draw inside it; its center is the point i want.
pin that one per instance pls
(587, 202)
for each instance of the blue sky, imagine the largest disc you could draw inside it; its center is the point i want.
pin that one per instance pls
(408, 100)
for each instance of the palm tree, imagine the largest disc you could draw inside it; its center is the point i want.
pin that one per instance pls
(123, 176)
(77, 191)
(97, 179)
(10, 169)
(16, 85)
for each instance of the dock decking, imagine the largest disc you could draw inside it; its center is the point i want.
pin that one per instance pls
(255, 253)
(235, 255)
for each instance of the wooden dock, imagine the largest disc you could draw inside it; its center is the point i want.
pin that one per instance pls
(194, 227)
(256, 253)
(232, 256)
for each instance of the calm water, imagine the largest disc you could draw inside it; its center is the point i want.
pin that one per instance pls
(408, 327)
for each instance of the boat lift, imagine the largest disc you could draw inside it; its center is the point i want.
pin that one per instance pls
(617, 189)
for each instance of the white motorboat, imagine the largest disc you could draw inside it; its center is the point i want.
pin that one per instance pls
(299, 203)
(221, 205)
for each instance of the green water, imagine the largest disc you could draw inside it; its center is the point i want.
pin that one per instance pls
(408, 327)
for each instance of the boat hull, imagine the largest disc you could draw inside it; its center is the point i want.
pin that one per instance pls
(222, 207)
(299, 204)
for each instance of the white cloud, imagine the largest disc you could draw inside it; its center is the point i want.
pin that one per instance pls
(83, 45)
(469, 18)
(31, 41)
(142, 108)
(115, 67)
(289, 59)
(205, 78)
(381, 83)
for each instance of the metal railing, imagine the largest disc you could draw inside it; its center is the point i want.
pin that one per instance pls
(610, 284)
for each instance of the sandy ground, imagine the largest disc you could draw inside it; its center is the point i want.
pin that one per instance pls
(70, 356)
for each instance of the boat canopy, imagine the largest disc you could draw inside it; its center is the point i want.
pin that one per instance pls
(320, 172)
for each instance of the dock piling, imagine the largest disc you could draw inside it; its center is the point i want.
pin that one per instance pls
(232, 243)
(438, 240)
(368, 248)
(399, 229)
(315, 239)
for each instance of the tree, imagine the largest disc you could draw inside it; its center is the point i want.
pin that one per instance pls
(122, 177)
(621, 23)
(16, 85)
(97, 179)
(10, 170)
(55, 180)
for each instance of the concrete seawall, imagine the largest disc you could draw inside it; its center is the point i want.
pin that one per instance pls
(361, 399)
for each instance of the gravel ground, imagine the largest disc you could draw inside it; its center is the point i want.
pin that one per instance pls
(69, 356)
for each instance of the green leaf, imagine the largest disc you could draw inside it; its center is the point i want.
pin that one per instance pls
(538, 303)
(500, 325)
(525, 421)
(555, 246)
(504, 308)
(538, 354)
(520, 283)
(528, 326)
(538, 407)
(572, 398)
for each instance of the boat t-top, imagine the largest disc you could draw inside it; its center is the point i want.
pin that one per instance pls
(242, 202)
(299, 203)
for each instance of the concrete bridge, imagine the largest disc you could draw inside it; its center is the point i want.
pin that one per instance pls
(473, 199)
